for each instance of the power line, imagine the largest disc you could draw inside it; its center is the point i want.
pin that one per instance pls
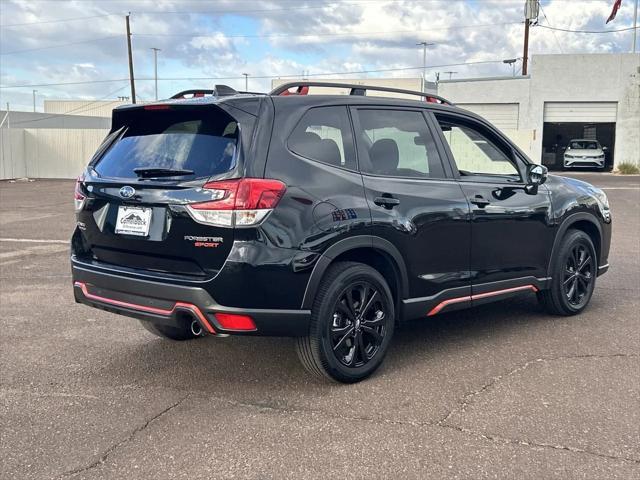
(85, 82)
(81, 108)
(57, 21)
(549, 23)
(61, 45)
(261, 77)
(587, 31)
(346, 34)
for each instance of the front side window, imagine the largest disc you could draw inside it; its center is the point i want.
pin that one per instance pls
(397, 143)
(473, 150)
(324, 134)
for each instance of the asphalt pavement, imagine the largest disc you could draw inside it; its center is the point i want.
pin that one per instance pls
(501, 391)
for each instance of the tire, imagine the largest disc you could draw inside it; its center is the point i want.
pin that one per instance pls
(343, 346)
(574, 273)
(181, 333)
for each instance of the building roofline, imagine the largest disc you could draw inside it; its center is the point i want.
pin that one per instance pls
(485, 79)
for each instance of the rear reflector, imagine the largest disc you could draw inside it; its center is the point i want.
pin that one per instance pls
(156, 107)
(239, 202)
(230, 321)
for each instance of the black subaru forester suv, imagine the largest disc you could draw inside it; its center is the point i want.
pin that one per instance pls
(329, 218)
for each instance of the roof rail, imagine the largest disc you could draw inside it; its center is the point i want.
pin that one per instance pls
(218, 91)
(192, 94)
(302, 88)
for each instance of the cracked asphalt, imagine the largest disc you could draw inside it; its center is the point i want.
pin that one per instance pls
(502, 391)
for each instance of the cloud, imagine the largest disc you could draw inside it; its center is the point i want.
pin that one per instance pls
(277, 38)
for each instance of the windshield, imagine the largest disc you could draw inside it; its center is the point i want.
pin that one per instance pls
(583, 145)
(201, 142)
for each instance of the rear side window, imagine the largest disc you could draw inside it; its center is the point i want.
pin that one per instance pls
(203, 141)
(397, 143)
(324, 134)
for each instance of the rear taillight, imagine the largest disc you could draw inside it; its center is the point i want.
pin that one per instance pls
(242, 202)
(78, 196)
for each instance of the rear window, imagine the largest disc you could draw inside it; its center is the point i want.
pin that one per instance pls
(203, 141)
(324, 134)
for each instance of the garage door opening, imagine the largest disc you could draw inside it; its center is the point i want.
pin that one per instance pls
(566, 121)
(556, 137)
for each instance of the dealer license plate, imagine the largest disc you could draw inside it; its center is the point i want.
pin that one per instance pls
(133, 220)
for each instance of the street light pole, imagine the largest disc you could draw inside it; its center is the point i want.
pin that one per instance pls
(34, 100)
(155, 67)
(512, 62)
(424, 63)
(246, 82)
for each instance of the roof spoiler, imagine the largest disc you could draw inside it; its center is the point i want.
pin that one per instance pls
(302, 88)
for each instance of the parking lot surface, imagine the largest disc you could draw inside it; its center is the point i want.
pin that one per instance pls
(501, 391)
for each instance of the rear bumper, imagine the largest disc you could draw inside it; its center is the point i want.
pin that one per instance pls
(168, 304)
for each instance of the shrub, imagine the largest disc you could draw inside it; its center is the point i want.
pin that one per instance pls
(628, 168)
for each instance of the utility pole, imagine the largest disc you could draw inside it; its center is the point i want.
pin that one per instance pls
(133, 85)
(246, 82)
(155, 67)
(34, 101)
(531, 8)
(424, 63)
(525, 54)
(635, 26)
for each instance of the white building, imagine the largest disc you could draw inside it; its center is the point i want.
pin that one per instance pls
(593, 96)
(91, 108)
(565, 96)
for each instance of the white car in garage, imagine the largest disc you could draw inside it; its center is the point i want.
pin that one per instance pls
(584, 153)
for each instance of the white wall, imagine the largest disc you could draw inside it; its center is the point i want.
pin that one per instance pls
(47, 153)
(90, 108)
(565, 78)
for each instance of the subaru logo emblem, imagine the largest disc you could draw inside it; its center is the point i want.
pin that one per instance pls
(127, 191)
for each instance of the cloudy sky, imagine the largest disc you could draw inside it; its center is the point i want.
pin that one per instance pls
(81, 43)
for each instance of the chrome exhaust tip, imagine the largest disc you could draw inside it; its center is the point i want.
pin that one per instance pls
(196, 329)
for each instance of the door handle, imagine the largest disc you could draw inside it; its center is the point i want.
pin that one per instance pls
(480, 201)
(386, 202)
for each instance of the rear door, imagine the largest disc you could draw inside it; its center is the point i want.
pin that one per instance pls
(414, 202)
(511, 228)
(139, 186)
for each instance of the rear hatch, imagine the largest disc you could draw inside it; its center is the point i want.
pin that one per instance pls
(137, 203)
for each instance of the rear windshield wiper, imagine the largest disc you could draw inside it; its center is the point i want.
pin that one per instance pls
(161, 172)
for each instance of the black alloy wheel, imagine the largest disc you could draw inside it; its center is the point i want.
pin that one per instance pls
(358, 325)
(352, 322)
(574, 270)
(578, 275)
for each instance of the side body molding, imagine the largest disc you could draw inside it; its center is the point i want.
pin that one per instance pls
(353, 243)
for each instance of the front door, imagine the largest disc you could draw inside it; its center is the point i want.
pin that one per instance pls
(511, 231)
(415, 203)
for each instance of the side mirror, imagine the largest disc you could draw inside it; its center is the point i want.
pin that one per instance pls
(536, 176)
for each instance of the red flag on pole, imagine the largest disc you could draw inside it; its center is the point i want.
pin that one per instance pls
(614, 11)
